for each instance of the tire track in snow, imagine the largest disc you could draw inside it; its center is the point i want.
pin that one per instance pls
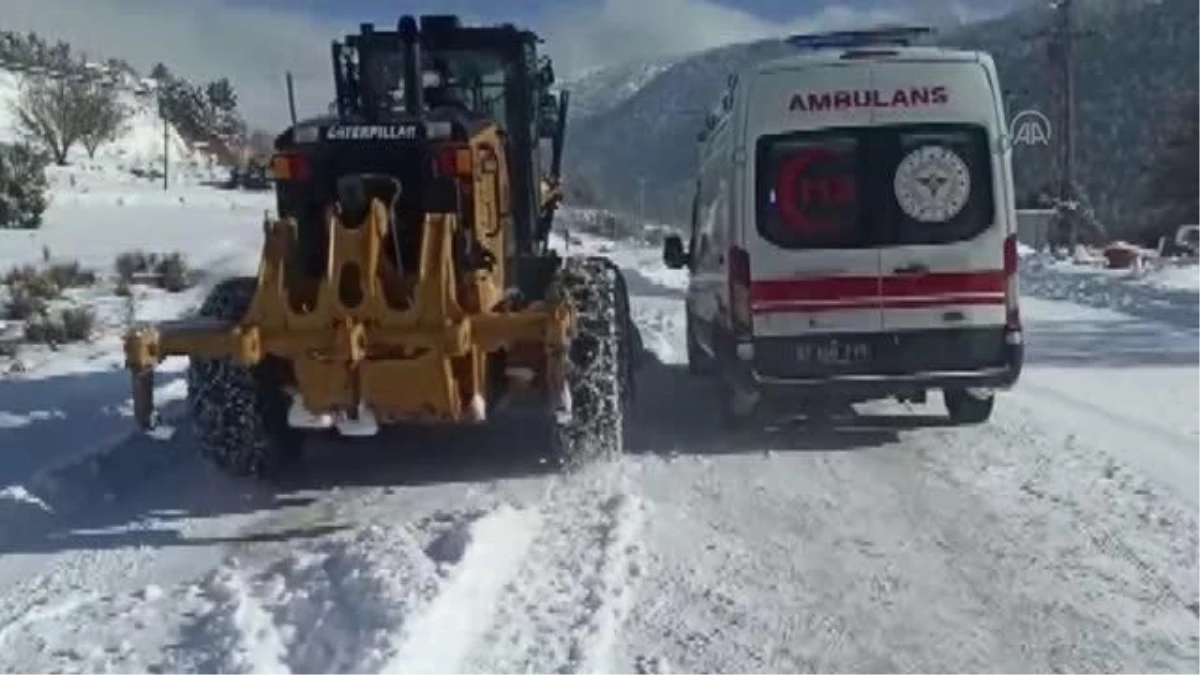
(1116, 513)
(383, 598)
(441, 636)
(762, 565)
(377, 602)
(773, 564)
(562, 611)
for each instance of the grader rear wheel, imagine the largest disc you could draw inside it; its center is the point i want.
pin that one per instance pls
(599, 368)
(239, 414)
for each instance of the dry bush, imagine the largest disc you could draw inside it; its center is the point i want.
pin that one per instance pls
(70, 274)
(173, 273)
(79, 323)
(22, 305)
(72, 324)
(168, 271)
(29, 291)
(133, 263)
(31, 288)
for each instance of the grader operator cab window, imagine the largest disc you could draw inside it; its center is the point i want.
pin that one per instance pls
(475, 81)
(486, 75)
(493, 73)
(472, 81)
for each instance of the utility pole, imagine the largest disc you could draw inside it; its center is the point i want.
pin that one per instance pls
(1065, 48)
(642, 199)
(1061, 42)
(291, 94)
(162, 113)
(166, 150)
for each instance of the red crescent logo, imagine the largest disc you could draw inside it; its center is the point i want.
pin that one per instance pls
(785, 187)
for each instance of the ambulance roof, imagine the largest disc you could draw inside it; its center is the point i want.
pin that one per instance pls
(866, 55)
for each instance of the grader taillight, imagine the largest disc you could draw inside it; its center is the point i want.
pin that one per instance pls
(454, 161)
(290, 166)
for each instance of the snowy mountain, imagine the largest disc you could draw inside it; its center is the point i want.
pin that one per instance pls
(1136, 66)
(599, 90)
(651, 135)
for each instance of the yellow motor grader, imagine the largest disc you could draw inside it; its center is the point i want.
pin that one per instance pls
(408, 276)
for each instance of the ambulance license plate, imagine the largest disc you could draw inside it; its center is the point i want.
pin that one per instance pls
(832, 352)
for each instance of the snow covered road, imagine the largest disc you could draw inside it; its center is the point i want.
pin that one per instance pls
(1061, 536)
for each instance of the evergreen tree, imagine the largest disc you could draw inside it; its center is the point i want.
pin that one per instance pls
(1172, 188)
(23, 187)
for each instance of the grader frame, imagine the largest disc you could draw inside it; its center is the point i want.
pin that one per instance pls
(423, 361)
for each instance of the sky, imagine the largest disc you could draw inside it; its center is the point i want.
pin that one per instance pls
(254, 42)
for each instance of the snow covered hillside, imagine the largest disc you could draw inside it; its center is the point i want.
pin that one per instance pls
(139, 148)
(1060, 536)
(601, 89)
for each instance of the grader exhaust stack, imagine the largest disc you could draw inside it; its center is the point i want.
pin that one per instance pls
(408, 277)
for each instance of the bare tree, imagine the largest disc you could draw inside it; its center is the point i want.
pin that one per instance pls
(59, 112)
(105, 119)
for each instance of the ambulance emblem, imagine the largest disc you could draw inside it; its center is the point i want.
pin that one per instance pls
(932, 184)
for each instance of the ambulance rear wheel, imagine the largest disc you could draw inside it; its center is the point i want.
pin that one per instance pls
(968, 407)
(730, 416)
(698, 361)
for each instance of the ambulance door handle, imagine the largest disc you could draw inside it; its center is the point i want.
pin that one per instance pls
(915, 268)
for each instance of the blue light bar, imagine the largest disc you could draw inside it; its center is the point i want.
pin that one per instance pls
(899, 36)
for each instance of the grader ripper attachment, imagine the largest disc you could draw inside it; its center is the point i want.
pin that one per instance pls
(408, 276)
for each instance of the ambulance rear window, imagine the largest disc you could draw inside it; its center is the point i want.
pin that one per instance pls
(874, 186)
(809, 191)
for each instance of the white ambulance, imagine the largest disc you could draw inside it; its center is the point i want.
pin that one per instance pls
(854, 231)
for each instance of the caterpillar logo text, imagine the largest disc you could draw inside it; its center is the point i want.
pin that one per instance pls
(372, 132)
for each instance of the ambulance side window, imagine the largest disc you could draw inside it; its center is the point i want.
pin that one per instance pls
(708, 208)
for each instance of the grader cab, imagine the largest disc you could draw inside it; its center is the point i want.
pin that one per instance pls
(408, 275)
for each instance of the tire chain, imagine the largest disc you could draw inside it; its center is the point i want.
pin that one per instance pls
(598, 362)
(239, 414)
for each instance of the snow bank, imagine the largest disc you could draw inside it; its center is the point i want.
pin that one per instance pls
(1162, 293)
(62, 410)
